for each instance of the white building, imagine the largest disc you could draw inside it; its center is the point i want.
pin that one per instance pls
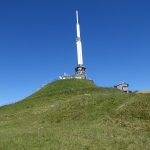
(122, 86)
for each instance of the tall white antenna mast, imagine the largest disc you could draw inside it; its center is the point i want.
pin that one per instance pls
(78, 42)
(80, 70)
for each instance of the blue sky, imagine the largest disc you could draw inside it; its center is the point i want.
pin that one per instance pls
(37, 43)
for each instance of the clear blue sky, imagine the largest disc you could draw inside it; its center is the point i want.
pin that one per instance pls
(37, 43)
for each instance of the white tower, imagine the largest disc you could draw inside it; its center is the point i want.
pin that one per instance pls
(78, 42)
(80, 72)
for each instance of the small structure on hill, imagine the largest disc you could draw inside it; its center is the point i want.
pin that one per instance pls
(123, 86)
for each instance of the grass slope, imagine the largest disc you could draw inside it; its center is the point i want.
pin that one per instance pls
(76, 115)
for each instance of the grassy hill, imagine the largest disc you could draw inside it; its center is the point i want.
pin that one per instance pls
(76, 115)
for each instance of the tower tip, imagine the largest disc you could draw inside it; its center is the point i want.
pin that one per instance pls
(77, 16)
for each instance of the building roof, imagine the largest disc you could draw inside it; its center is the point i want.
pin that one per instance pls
(123, 83)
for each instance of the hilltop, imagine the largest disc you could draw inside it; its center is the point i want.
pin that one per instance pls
(76, 115)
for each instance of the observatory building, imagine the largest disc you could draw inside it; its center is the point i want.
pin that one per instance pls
(80, 70)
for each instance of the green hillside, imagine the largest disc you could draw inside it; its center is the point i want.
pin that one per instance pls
(76, 115)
